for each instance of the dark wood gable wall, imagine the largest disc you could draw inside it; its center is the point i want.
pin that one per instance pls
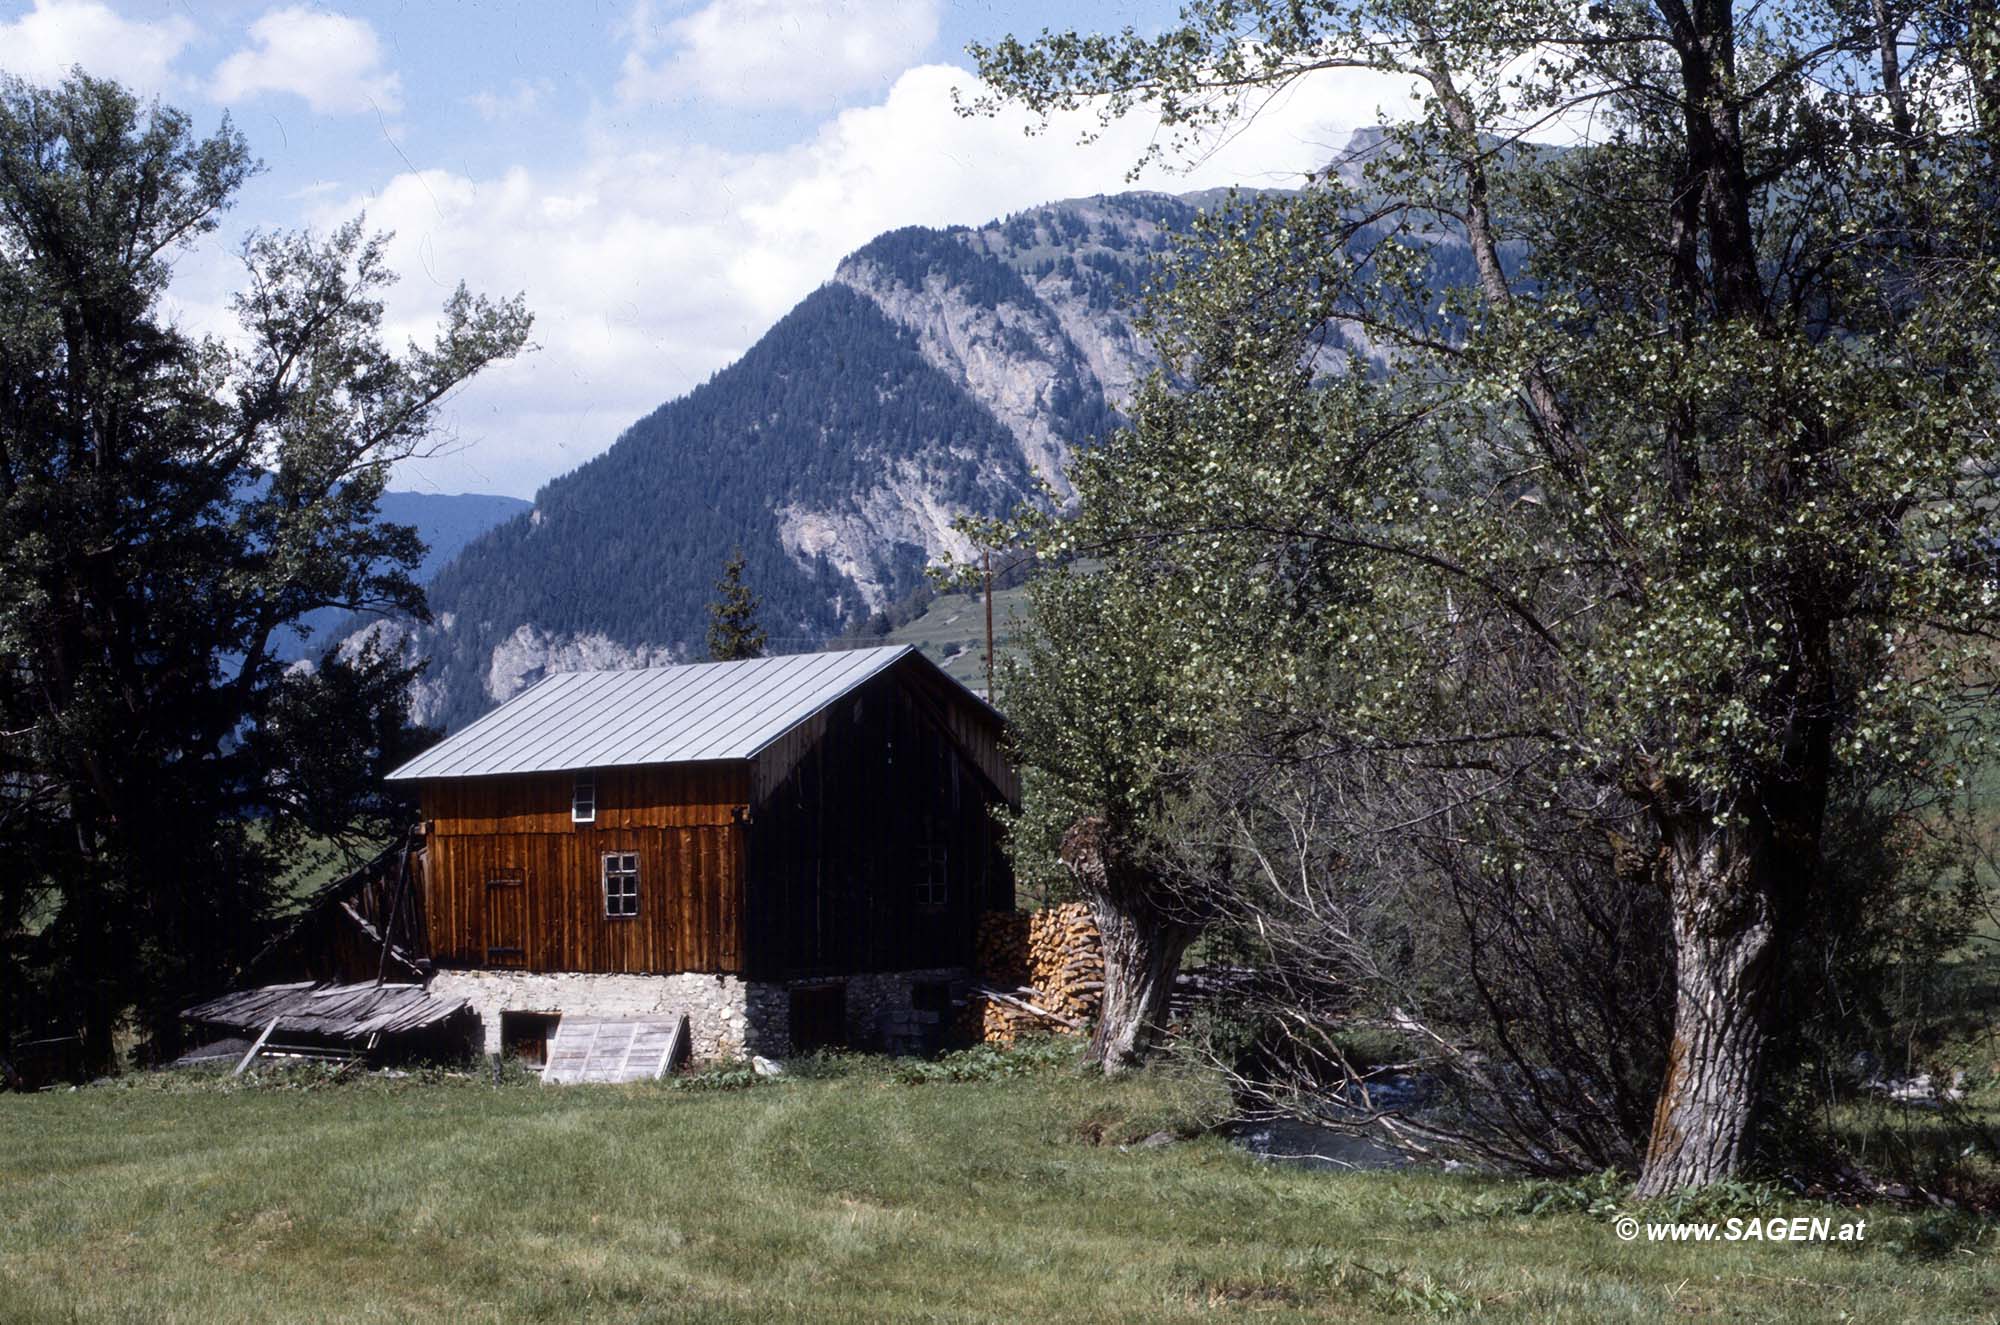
(856, 814)
(509, 880)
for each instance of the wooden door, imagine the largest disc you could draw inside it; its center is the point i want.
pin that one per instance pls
(506, 918)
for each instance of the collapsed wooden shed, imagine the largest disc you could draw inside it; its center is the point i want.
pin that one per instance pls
(362, 927)
(321, 1020)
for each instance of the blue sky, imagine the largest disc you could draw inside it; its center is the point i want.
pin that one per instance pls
(662, 179)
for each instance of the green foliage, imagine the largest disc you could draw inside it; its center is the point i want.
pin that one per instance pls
(1938, 1234)
(169, 510)
(1730, 1199)
(721, 1075)
(1028, 1056)
(733, 632)
(1664, 522)
(299, 1076)
(829, 1065)
(1593, 1194)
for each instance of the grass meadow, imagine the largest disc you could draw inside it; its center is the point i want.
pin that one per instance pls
(855, 1195)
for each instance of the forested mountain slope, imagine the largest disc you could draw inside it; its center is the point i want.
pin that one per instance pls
(938, 373)
(831, 453)
(445, 521)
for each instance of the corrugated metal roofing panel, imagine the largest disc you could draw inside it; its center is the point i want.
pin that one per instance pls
(653, 715)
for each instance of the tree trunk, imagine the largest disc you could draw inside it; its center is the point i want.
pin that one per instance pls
(1726, 963)
(1142, 955)
(1143, 936)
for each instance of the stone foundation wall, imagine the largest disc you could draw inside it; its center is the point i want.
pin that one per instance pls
(728, 1017)
(718, 1007)
(880, 1015)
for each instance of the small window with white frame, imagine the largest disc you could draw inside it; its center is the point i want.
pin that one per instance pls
(933, 880)
(621, 883)
(583, 800)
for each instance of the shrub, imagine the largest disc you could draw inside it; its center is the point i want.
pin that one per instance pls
(719, 1076)
(986, 1062)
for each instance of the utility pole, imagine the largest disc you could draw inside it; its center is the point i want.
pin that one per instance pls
(986, 556)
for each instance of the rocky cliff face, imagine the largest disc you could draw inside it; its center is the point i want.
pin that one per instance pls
(940, 373)
(1032, 318)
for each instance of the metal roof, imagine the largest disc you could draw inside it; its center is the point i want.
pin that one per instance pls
(650, 715)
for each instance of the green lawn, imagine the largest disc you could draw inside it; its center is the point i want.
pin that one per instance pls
(851, 1199)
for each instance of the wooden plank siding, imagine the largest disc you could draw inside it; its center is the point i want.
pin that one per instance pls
(662, 796)
(838, 846)
(976, 729)
(683, 822)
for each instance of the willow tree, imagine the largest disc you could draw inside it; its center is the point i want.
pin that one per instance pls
(1712, 410)
(1157, 649)
(1096, 699)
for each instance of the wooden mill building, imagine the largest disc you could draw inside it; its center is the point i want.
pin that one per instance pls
(791, 851)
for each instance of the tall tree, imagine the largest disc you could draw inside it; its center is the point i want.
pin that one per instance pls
(733, 631)
(1709, 423)
(168, 505)
(1105, 720)
(1142, 663)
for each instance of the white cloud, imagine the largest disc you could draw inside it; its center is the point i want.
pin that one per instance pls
(333, 62)
(648, 268)
(43, 44)
(521, 100)
(807, 53)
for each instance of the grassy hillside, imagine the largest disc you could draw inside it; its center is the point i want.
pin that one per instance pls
(952, 631)
(861, 1198)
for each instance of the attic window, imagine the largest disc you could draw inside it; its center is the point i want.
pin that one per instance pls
(932, 879)
(583, 801)
(621, 883)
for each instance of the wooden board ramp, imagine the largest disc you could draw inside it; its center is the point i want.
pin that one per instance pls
(592, 1049)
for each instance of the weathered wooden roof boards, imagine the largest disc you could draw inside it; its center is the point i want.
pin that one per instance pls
(313, 1019)
(310, 1010)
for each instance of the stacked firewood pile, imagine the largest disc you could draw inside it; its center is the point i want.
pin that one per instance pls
(1000, 948)
(1066, 960)
(1042, 971)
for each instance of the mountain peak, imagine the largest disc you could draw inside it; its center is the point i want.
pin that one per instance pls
(1363, 147)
